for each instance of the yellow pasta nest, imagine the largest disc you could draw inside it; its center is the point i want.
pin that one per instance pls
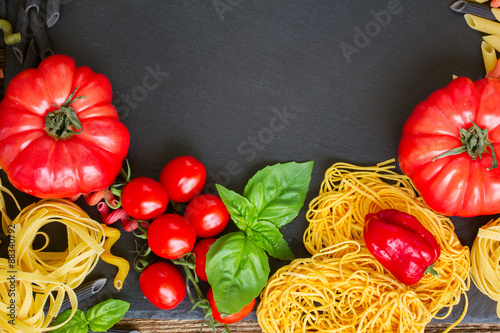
(33, 281)
(485, 261)
(342, 287)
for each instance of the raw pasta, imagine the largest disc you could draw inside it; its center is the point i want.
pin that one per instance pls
(467, 7)
(489, 56)
(40, 278)
(482, 24)
(112, 235)
(485, 261)
(343, 288)
(40, 35)
(493, 40)
(53, 12)
(496, 13)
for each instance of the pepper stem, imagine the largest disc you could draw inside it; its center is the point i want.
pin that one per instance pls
(63, 122)
(475, 142)
(430, 269)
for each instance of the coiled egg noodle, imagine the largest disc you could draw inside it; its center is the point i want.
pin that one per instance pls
(485, 261)
(342, 287)
(34, 281)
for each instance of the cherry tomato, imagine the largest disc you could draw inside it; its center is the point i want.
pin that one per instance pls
(200, 252)
(144, 198)
(170, 236)
(233, 318)
(208, 214)
(184, 178)
(163, 285)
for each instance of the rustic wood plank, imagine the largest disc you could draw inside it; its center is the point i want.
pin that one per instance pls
(193, 326)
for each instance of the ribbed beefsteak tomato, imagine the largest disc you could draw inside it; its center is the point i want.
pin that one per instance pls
(59, 133)
(448, 148)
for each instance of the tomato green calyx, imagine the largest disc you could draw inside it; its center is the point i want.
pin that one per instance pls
(63, 122)
(475, 142)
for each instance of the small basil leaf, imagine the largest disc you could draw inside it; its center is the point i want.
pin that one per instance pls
(237, 271)
(279, 191)
(268, 236)
(104, 315)
(242, 211)
(77, 324)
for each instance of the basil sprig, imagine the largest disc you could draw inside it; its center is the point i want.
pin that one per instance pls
(99, 318)
(237, 264)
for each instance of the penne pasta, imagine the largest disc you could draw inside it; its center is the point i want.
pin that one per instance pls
(496, 13)
(53, 12)
(482, 24)
(32, 58)
(3, 9)
(489, 56)
(493, 41)
(22, 24)
(40, 35)
(467, 7)
(33, 4)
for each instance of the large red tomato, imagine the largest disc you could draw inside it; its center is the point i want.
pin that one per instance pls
(448, 148)
(59, 134)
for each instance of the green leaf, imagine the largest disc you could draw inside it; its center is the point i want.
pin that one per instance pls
(104, 315)
(268, 236)
(242, 211)
(77, 324)
(237, 270)
(279, 191)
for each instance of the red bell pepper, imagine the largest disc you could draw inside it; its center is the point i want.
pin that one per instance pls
(401, 244)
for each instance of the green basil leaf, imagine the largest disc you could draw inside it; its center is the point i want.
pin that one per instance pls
(279, 191)
(237, 270)
(77, 324)
(268, 236)
(104, 315)
(242, 211)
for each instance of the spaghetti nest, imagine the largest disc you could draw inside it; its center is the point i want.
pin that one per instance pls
(342, 287)
(485, 261)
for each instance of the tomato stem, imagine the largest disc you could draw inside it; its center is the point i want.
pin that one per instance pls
(63, 122)
(188, 263)
(143, 258)
(475, 142)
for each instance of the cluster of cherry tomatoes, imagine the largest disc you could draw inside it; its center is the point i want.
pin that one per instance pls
(173, 236)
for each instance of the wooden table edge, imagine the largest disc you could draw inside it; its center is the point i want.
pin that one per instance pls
(246, 326)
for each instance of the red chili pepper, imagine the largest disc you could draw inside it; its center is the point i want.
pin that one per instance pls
(401, 244)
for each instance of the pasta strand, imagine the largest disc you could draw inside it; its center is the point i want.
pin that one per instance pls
(342, 287)
(34, 282)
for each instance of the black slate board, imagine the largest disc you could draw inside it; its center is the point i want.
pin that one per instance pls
(242, 84)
